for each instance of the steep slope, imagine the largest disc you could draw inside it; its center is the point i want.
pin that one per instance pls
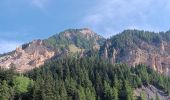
(135, 47)
(68, 42)
(151, 92)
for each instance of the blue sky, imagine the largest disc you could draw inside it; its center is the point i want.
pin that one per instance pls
(25, 20)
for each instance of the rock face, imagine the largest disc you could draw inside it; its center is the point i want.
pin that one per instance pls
(27, 56)
(157, 60)
(133, 48)
(151, 92)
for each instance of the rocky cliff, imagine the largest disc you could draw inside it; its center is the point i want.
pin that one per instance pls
(135, 47)
(151, 92)
(28, 56)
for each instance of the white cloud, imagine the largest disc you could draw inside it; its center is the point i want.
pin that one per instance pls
(7, 46)
(117, 15)
(41, 4)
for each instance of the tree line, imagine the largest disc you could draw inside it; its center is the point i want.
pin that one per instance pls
(87, 78)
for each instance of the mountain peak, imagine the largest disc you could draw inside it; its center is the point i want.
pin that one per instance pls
(87, 31)
(82, 38)
(35, 53)
(83, 31)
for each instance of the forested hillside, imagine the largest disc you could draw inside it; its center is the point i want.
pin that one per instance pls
(88, 78)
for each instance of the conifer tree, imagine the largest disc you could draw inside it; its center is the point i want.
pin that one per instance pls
(4, 91)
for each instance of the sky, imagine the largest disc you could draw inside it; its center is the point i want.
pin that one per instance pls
(22, 21)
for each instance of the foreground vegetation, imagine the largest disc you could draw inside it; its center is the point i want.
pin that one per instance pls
(79, 79)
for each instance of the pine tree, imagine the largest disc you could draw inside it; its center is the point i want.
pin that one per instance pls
(90, 93)
(128, 91)
(49, 86)
(38, 90)
(4, 91)
(81, 93)
(108, 95)
(62, 91)
(115, 94)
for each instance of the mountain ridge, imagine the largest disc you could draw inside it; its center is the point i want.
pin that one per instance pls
(113, 68)
(131, 47)
(37, 52)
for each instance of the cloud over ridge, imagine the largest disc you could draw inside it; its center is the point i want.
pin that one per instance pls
(117, 15)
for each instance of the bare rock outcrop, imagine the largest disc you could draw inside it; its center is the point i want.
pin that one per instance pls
(27, 56)
(156, 57)
(150, 92)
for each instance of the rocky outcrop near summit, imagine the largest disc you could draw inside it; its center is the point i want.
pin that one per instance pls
(81, 38)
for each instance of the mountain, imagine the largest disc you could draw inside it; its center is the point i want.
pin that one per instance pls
(132, 47)
(37, 52)
(78, 64)
(135, 47)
